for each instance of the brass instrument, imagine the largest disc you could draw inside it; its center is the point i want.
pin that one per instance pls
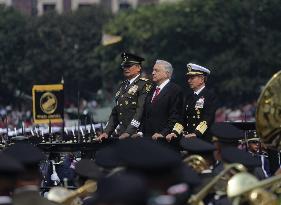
(197, 162)
(64, 196)
(244, 186)
(197, 199)
(268, 117)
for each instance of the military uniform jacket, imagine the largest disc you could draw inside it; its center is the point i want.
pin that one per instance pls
(200, 112)
(127, 112)
(165, 111)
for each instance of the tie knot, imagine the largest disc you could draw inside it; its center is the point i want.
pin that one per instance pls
(157, 90)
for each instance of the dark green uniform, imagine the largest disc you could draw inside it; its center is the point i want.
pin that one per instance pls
(128, 110)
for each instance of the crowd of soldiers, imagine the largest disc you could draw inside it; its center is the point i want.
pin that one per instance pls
(168, 151)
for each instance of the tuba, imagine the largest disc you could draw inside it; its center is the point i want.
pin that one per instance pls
(197, 162)
(268, 114)
(244, 187)
(230, 169)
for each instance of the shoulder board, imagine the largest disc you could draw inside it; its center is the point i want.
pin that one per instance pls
(144, 79)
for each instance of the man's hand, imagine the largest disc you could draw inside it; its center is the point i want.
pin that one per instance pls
(157, 136)
(124, 136)
(191, 135)
(171, 136)
(102, 136)
(137, 135)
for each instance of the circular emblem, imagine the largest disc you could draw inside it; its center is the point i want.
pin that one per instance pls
(48, 103)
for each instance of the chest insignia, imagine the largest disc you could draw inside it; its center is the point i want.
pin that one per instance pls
(133, 90)
(200, 103)
(117, 94)
(148, 87)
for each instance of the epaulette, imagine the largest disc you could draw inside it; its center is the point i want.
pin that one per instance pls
(144, 79)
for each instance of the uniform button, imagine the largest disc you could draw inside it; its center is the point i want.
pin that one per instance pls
(193, 116)
(120, 113)
(187, 125)
(121, 123)
(186, 117)
(193, 125)
(120, 104)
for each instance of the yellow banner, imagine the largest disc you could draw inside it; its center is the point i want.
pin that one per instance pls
(47, 101)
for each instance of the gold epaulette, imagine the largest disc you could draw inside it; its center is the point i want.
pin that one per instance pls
(178, 128)
(202, 127)
(144, 79)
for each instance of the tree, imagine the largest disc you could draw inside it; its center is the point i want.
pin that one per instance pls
(64, 46)
(12, 26)
(235, 39)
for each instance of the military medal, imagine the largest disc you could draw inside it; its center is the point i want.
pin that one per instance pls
(117, 94)
(133, 90)
(200, 103)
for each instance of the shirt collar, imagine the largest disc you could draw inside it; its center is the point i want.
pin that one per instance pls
(133, 79)
(199, 91)
(163, 84)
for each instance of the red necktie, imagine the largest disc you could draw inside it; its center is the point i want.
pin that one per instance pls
(156, 92)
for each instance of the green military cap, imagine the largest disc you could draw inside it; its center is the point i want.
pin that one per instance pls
(129, 59)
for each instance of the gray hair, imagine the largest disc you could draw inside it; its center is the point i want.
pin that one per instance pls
(166, 65)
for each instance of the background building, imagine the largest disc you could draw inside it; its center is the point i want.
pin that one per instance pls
(39, 7)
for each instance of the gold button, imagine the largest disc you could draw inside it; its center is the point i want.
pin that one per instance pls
(120, 113)
(193, 125)
(193, 116)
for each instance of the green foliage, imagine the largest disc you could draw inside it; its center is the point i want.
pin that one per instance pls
(237, 40)
(64, 45)
(12, 26)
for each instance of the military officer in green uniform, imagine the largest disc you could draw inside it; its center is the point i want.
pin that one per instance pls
(126, 114)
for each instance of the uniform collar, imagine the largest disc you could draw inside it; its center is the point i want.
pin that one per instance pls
(133, 79)
(199, 91)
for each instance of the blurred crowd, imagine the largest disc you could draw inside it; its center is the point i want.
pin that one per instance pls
(244, 113)
(15, 115)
